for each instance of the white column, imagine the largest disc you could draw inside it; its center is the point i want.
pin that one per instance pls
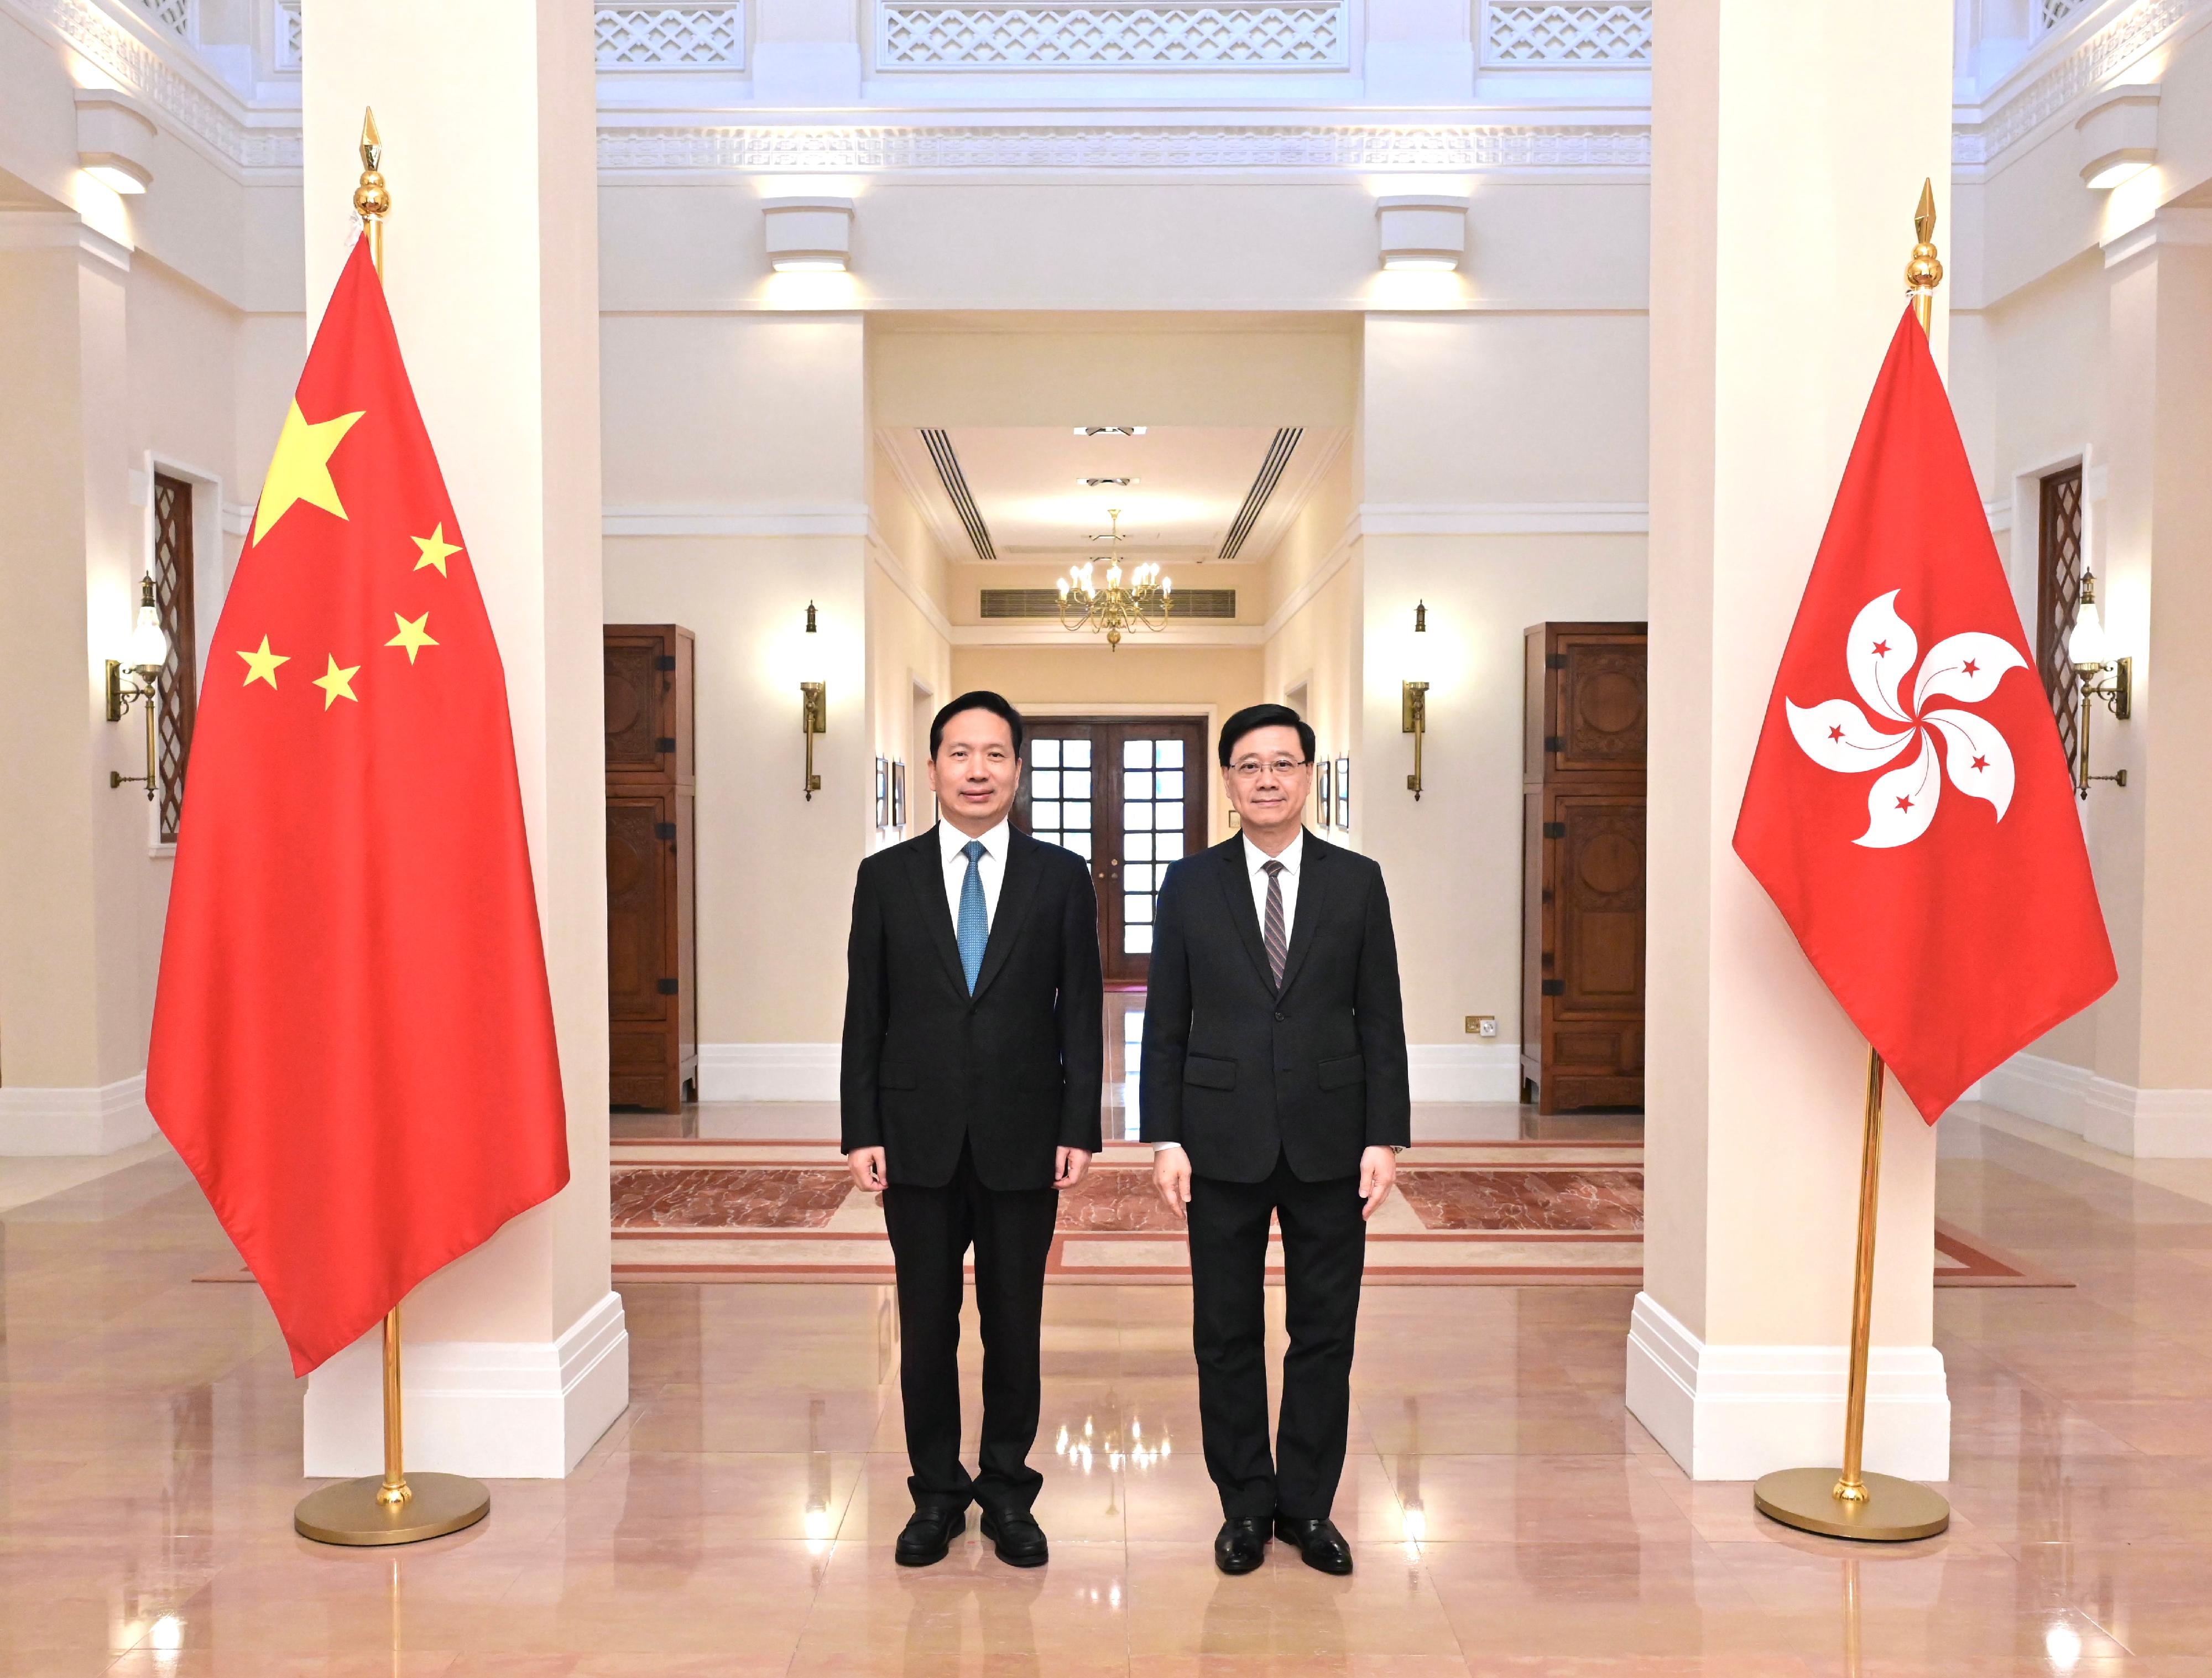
(516, 1357)
(1788, 145)
(75, 980)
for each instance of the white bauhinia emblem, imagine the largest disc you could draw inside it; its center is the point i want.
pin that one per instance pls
(1837, 735)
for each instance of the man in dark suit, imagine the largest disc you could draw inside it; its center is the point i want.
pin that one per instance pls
(1274, 1085)
(970, 1088)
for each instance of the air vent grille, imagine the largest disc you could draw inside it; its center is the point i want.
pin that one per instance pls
(1189, 602)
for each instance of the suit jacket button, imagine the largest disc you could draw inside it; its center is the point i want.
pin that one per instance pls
(1279, 1020)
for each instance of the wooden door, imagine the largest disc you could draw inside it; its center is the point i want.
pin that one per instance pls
(653, 991)
(1130, 796)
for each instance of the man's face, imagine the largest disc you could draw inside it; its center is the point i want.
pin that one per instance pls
(977, 770)
(1268, 779)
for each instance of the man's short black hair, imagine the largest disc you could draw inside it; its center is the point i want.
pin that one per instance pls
(981, 700)
(1264, 716)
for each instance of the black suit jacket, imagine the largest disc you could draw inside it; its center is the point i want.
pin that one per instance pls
(1242, 1075)
(1015, 1068)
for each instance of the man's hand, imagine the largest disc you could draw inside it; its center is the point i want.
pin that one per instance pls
(1378, 1171)
(1068, 1166)
(1171, 1177)
(866, 1165)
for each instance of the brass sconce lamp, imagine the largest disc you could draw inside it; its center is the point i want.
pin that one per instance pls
(1413, 706)
(137, 682)
(813, 716)
(2102, 676)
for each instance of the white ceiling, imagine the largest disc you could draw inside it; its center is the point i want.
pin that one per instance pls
(1027, 481)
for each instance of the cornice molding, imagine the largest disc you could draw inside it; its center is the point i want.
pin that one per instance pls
(1127, 146)
(2019, 113)
(880, 554)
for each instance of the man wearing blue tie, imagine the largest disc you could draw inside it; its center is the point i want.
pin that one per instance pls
(971, 1072)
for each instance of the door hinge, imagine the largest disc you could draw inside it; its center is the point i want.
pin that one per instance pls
(664, 829)
(667, 987)
(1555, 829)
(665, 661)
(666, 743)
(1555, 987)
(1555, 660)
(1555, 742)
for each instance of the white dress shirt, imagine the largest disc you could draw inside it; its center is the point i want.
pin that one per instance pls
(990, 867)
(1256, 864)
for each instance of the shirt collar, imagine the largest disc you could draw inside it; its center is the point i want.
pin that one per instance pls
(950, 841)
(1293, 854)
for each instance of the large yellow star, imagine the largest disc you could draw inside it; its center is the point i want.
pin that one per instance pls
(300, 469)
(412, 637)
(434, 548)
(262, 667)
(338, 684)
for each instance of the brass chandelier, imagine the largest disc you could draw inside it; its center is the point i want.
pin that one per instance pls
(1143, 602)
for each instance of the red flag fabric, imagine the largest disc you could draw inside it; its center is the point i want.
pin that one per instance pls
(353, 1039)
(1909, 808)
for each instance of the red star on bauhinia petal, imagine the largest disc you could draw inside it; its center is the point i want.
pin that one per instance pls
(1904, 804)
(1981, 763)
(1836, 733)
(1969, 667)
(1881, 650)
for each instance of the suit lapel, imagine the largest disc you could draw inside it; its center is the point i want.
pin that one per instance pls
(1312, 875)
(927, 861)
(1025, 862)
(1237, 889)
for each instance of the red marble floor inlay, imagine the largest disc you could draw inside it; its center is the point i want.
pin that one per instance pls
(721, 1197)
(1574, 1201)
(1116, 1199)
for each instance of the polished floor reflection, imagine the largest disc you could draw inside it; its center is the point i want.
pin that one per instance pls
(1509, 1516)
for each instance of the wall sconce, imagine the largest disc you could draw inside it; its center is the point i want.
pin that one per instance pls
(1413, 705)
(813, 716)
(114, 139)
(137, 682)
(1421, 232)
(2092, 659)
(2116, 137)
(808, 235)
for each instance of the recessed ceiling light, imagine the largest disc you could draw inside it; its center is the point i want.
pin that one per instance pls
(1103, 483)
(1109, 431)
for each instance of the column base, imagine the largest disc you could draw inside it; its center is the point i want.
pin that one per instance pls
(497, 1409)
(46, 1123)
(1740, 1412)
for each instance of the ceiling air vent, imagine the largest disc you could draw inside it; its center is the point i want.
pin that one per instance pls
(1215, 603)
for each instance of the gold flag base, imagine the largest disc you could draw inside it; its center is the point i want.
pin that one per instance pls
(1893, 1511)
(350, 1512)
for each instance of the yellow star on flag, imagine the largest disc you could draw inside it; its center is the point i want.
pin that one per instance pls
(434, 548)
(412, 637)
(262, 667)
(300, 469)
(338, 684)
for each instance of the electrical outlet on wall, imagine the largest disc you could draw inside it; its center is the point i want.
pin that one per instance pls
(1482, 1025)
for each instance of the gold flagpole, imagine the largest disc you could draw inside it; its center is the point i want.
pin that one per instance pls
(1850, 1502)
(387, 1508)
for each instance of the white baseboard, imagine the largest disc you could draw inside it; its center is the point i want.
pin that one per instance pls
(768, 1070)
(1464, 1072)
(2148, 1124)
(39, 1122)
(1738, 1412)
(497, 1409)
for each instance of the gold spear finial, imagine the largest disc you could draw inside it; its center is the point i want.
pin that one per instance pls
(372, 199)
(1924, 272)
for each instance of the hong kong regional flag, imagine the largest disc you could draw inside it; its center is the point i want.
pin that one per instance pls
(1909, 808)
(353, 1041)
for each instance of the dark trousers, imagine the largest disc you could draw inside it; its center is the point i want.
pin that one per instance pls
(1324, 1251)
(931, 1230)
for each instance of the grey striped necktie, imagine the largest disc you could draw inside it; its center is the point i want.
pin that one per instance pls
(1279, 943)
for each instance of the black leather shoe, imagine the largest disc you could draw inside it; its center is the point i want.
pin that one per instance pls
(1241, 1544)
(1320, 1544)
(928, 1535)
(1018, 1539)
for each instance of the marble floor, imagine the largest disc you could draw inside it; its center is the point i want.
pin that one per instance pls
(1509, 1516)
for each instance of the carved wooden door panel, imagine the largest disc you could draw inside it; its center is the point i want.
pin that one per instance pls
(651, 954)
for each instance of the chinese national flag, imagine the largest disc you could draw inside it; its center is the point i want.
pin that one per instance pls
(1909, 808)
(353, 1041)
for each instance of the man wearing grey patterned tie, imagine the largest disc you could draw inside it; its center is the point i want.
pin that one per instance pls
(1274, 1087)
(969, 1094)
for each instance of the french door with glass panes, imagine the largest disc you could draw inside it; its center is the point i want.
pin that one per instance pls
(1130, 796)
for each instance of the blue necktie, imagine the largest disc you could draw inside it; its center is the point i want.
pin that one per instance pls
(974, 929)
